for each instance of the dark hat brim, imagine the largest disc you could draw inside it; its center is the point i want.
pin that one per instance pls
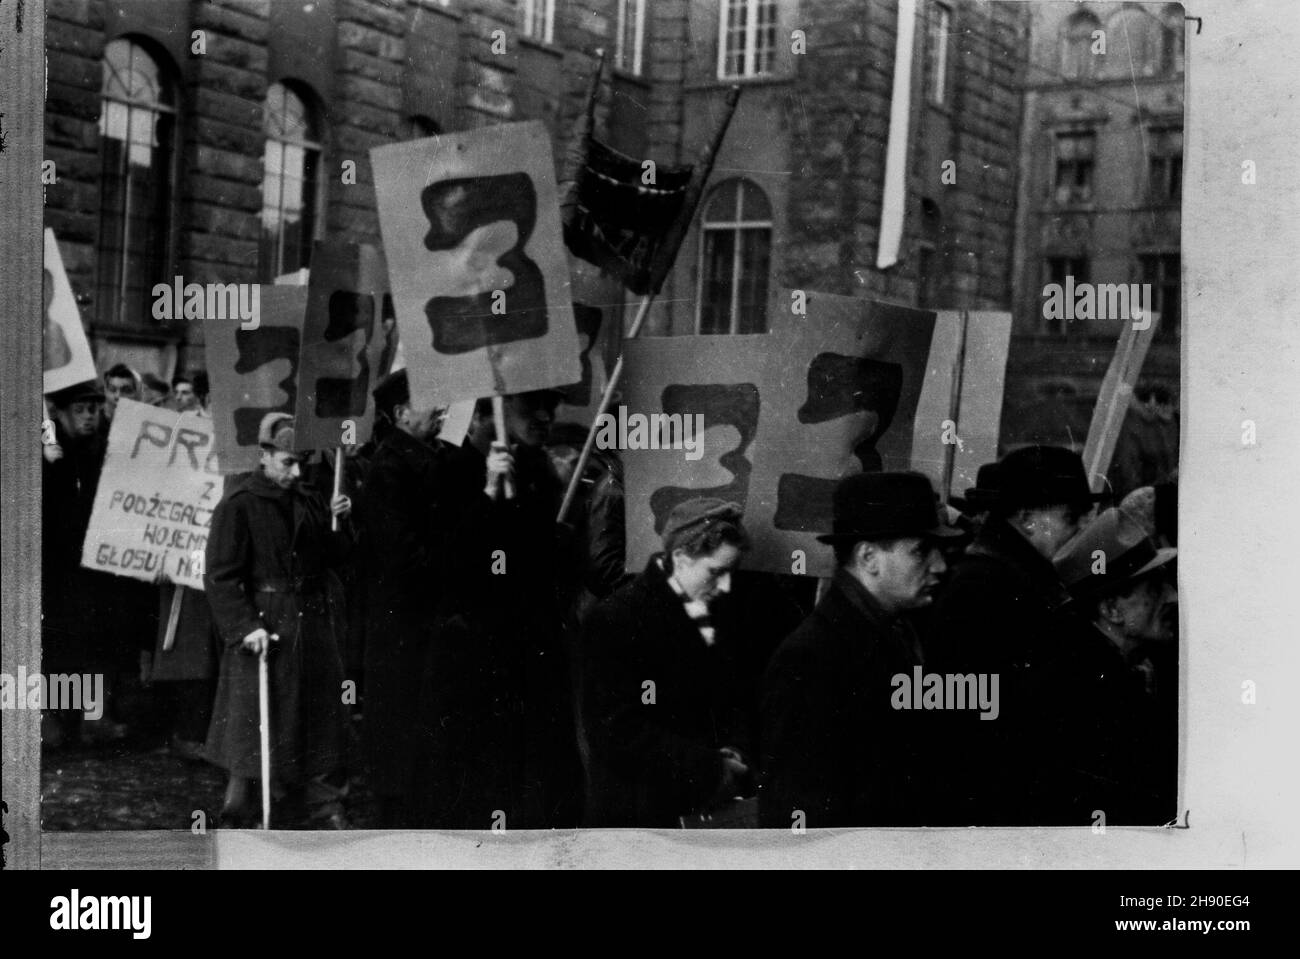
(1094, 588)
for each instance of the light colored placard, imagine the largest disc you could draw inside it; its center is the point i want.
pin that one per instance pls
(66, 356)
(1113, 398)
(480, 281)
(154, 502)
(342, 342)
(253, 372)
(979, 419)
(782, 413)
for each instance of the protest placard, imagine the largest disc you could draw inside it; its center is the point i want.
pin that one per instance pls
(253, 371)
(66, 355)
(1115, 397)
(342, 345)
(156, 494)
(476, 263)
(971, 435)
(771, 421)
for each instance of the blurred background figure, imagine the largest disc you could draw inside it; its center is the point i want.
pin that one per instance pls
(156, 390)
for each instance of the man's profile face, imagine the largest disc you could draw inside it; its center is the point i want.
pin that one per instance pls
(1142, 610)
(423, 424)
(282, 469)
(908, 573)
(185, 396)
(1049, 528)
(80, 419)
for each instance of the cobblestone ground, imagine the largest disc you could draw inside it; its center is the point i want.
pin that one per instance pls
(138, 786)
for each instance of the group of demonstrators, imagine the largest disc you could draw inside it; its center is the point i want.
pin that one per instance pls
(1014, 662)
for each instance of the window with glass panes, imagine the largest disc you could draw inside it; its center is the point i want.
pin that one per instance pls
(1077, 58)
(1165, 165)
(735, 258)
(631, 35)
(1163, 271)
(290, 183)
(539, 20)
(1074, 166)
(940, 25)
(1057, 270)
(137, 124)
(747, 38)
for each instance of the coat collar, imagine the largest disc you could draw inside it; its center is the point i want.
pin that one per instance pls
(999, 541)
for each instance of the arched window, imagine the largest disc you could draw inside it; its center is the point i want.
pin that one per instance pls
(1133, 38)
(290, 182)
(417, 127)
(1171, 50)
(735, 256)
(137, 124)
(1077, 58)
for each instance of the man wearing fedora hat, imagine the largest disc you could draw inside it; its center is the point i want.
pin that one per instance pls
(835, 753)
(998, 613)
(268, 552)
(1107, 743)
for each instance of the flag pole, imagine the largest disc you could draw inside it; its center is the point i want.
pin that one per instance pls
(173, 618)
(338, 485)
(499, 419)
(954, 408)
(661, 264)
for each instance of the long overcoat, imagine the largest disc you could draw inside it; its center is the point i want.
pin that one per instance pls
(500, 704)
(1000, 613)
(835, 751)
(267, 556)
(654, 749)
(401, 543)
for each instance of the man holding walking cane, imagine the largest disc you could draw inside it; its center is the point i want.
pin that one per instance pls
(267, 556)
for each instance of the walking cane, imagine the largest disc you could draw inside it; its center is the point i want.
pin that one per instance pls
(264, 714)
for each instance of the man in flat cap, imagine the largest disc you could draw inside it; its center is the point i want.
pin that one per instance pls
(661, 692)
(267, 555)
(835, 750)
(1102, 740)
(998, 614)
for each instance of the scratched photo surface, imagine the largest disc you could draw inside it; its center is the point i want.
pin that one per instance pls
(383, 490)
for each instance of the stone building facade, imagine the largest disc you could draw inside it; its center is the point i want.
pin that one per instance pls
(1100, 199)
(216, 139)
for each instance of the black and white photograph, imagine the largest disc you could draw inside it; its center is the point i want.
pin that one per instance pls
(490, 416)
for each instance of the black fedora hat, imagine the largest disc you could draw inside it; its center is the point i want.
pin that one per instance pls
(85, 390)
(983, 495)
(883, 506)
(1128, 554)
(1042, 476)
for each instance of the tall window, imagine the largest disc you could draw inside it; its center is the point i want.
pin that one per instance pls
(735, 256)
(137, 123)
(1163, 272)
(631, 35)
(1165, 166)
(1133, 41)
(539, 20)
(290, 182)
(1058, 270)
(1077, 59)
(936, 76)
(1074, 166)
(746, 38)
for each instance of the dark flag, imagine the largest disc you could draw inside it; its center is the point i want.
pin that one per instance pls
(613, 218)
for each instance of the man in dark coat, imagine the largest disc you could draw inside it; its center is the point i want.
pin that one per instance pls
(1105, 743)
(402, 545)
(269, 548)
(836, 751)
(662, 698)
(72, 598)
(998, 615)
(500, 705)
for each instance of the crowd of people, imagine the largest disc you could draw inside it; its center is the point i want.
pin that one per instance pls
(1009, 658)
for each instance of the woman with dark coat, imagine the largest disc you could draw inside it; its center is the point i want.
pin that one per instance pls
(662, 698)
